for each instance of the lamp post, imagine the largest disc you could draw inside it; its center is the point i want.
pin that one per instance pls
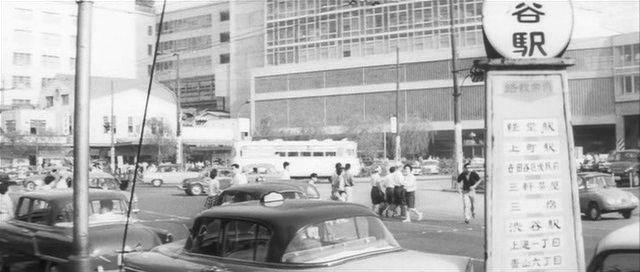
(398, 147)
(179, 151)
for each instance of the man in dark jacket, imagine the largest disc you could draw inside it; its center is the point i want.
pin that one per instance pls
(467, 183)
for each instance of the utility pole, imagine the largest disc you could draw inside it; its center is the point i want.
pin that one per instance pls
(80, 259)
(398, 147)
(457, 111)
(179, 152)
(112, 129)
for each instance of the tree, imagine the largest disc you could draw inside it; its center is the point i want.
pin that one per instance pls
(416, 135)
(162, 138)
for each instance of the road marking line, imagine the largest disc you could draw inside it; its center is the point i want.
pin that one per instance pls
(166, 215)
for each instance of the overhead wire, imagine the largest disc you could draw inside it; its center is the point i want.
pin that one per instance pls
(142, 129)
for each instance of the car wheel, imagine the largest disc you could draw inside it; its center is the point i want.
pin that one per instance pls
(196, 189)
(594, 211)
(30, 186)
(626, 214)
(156, 182)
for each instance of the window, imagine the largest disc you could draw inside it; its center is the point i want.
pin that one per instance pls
(37, 126)
(350, 24)
(224, 58)
(130, 124)
(33, 211)
(292, 154)
(305, 154)
(21, 82)
(49, 100)
(224, 37)
(185, 24)
(10, 125)
(281, 154)
(206, 237)
(107, 125)
(318, 154)
(621, 261)
(188, 44)
(224, 16)
(46, 81)
(330, 154)
(50, 62)
(245, 241)
(374, 21)
(629, 84)
(21, 59)
(149, 50)
(149, 30)
(65, 99)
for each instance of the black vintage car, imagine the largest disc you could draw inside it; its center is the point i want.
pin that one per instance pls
(43, 226)
(277, 234)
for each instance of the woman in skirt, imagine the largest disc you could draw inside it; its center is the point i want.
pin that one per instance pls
(214, 189)
(377, 195)
(409, 187)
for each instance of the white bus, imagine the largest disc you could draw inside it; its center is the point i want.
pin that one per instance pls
(304, 157)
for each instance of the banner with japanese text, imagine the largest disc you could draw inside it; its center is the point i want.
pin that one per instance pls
(532, 191)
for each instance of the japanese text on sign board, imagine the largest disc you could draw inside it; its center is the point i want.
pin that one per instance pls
(523, 42)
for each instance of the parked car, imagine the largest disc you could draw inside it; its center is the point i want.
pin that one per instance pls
(96, 180)
(310, 190)
(168, 174)
(624, 165)
(598, 195)
(43, 226)
(274, 234)
(430, 167)
(198, 185)
(618, 251)
(248, 192)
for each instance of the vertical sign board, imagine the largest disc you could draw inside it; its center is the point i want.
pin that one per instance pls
(532, 223)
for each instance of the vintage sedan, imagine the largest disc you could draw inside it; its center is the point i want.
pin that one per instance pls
(618, 251)
(43, 226)
(309, 190)
(290, 235)
(96, 180)
(169, 174)
(255, 191)
(198, 185)
(598, 195)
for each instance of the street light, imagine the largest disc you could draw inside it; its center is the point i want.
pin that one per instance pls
(179, 152)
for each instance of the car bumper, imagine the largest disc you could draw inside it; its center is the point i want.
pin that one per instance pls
(619, 207)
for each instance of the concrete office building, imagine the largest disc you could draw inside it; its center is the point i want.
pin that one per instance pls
(198, 34)
(330, 64)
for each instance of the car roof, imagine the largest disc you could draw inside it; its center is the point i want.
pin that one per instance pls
(262, 187)
(63, 194)
(627, 237)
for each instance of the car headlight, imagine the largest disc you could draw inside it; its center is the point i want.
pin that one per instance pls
(633, 199)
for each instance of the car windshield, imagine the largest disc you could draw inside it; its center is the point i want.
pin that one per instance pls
(630, 156)
(336, 239)
(600, 182)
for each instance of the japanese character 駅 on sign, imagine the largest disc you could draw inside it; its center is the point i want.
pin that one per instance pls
(528, 29)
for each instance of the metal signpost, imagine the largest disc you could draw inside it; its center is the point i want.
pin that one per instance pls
(533, 217)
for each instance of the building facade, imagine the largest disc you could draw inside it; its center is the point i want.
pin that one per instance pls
(38, 41)
(199, 36)
(330, 64)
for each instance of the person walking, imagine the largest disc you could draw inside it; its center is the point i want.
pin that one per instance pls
(213, 190)
(389, 184)
(467, 183)
(398, 191)
(377, 193)
(337, 184)
(6, 204)
(239, 178)
(348, 183)
(285, 171)
(409, 187)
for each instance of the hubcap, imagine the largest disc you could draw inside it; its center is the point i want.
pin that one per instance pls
(196, 190)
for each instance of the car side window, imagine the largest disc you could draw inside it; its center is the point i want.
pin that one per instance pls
(34, 211)
(245, 241)
(206, 238)
(623, 261)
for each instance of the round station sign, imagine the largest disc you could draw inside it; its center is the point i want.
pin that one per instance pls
(528, 29)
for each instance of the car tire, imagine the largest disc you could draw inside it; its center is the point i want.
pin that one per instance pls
(593, 212)
(156, 182)
(30, 186)
(626, 214)
(196, 189)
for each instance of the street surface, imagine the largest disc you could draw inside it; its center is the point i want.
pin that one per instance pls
(441, 231)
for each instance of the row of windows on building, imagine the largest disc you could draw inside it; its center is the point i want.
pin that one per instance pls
(190, 63)
(46, 17)
(628, 55)
(468, 36)
(191, 23)
(24, 82)
(50, 102)
(189, 44)
(50, 41)
(46, 61)
(36, 126)
(371, 21)
(628, 84)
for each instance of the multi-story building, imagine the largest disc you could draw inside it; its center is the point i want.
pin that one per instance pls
(38, 41)
(199, 36)
(330, 64)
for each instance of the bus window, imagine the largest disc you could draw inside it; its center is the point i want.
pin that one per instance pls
(292, 154)
(280, 154)
(351, 152)
(330, 154)
(305, 154)
(318, 154)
